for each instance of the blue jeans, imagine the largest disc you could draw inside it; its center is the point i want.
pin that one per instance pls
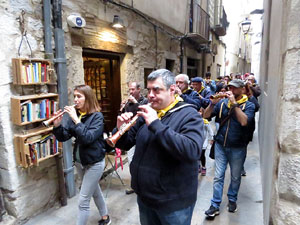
(236, 158)
(149, 216)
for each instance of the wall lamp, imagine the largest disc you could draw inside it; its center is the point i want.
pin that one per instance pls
(246, 26)
(117, 22)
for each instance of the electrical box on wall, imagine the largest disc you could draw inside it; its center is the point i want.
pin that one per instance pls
(76, 21)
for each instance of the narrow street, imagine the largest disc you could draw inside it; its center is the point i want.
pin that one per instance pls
(124, 211)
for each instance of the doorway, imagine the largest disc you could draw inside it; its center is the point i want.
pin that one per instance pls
(102, 74)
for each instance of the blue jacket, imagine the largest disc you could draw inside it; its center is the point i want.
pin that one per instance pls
(192, 97)
(232, 133)
(88, 134)
(164, 169)
(205, 101)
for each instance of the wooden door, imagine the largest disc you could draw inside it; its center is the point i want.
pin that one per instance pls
(102, 73)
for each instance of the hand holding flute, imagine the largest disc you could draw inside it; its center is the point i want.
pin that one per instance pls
(57, 118)
(125, 122)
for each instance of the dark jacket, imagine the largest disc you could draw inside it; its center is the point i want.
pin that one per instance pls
(205, 101)
(134, 107)
(192, 97)
(255, 88)
(88, 134)
(232, 133)
(164, 169)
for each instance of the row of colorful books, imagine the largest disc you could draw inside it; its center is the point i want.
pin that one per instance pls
(35, 72)
(43, 147)
(39, 109)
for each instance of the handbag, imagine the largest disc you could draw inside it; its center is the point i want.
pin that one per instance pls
(212, 151)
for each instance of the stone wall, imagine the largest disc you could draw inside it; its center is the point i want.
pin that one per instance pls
(26, 191)
(279, 125)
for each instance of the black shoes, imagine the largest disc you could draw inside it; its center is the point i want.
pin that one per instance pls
(104, 222)
(243, 173)
(212, 212)
(232, 207)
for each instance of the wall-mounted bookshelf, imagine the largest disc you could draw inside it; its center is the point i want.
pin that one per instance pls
(28, 109)
(35, 147)
(31, 71)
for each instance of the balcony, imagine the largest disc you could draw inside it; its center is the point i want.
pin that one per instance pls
(198, 25)
(221, 23)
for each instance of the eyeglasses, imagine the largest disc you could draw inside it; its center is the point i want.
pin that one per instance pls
(155, 90)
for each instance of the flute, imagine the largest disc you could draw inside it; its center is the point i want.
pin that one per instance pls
(46, 123)
(218, 96)
(111, 141)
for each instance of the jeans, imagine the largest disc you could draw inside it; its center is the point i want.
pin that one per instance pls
(149, 216)
(90, 188)
(236, 158)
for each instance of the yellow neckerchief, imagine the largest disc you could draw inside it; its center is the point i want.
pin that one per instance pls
(162, 112)
(241, 101)
(81, 114)
(205, 121)
(186, 90)
(202, 88)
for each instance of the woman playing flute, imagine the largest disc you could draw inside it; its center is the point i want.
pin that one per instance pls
(85, 123)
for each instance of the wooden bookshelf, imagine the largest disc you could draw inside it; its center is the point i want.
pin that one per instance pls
(30, 71)
(28, 109)
(36, 146)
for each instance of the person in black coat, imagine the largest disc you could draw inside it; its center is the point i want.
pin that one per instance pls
(168, 138)
(85, 123)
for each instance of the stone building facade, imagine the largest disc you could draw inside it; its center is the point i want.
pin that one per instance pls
(279, 126)
(142, 46)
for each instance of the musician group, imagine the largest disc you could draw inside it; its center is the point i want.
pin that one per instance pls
(168, 133)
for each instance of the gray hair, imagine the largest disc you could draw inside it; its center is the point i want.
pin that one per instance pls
(167, 77)
(185, 77)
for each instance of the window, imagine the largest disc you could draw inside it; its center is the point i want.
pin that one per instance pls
(192, 67)
(147, 71)
(170, 64)
(219, 70)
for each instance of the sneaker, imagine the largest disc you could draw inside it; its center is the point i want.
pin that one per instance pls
(203, 171)
(212, 212)
(243, 173)
(104, 222)
(129, 191)
(232, 207)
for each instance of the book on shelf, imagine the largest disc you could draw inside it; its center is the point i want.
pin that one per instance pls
(33, 139)
(35, 72)
(42, 147)
(38, 109)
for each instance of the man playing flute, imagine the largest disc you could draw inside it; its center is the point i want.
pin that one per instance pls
(168, 138)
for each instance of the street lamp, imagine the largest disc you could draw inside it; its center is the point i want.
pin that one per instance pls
(246, 24)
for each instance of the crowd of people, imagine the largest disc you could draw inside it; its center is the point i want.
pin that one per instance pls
(167, 144)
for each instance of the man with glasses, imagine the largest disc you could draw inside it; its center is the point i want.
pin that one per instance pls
(168, 136)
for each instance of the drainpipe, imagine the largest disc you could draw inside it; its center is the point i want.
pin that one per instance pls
(49, 55)
(181, 55)
(61, 70)
(47, 29)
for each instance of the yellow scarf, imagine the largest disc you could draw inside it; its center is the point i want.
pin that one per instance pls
(205, 121)
(241, 101)
(81, 114)
(202, 88)
(186, 90)
(162, 112)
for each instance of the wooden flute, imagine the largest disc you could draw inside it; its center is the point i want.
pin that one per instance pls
(46, 123)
